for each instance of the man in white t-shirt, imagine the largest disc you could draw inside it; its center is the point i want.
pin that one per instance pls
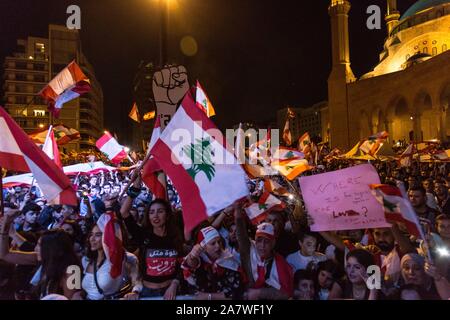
(306, 257)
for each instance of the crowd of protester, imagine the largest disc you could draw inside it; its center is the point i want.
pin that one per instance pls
(225, 257)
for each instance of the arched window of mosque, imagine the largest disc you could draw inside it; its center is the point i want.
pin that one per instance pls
(407, 56)
(434, 51)
(444, 47)
(425, 50)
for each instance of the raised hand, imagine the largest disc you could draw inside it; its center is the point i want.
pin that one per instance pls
(170, 85)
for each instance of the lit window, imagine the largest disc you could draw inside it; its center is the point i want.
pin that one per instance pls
(444, 47)
(39, 113)
(434, 51)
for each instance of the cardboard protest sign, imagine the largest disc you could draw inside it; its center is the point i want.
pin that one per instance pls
(342, 200)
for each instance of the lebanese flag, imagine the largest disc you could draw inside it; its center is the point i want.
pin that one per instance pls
(69, 84)
(134, 113)
(289, 162)
(287, 136)
(112, 242)
(51, 148)
(372, 144)
(201, 166)
(19, 153)
(203, 102)
(397, 208)
(304, 143)
(406, 157)
(152, 175)
(111, 148)
(280, 277)
(257, 212)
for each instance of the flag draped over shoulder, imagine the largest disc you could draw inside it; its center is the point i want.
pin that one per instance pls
(397, 208)
(203, 102)
(69, 84)
(111, 148)
(201, 166)
(19, 153)
(134, 113)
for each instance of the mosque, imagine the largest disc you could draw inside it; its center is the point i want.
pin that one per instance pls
(407, 93)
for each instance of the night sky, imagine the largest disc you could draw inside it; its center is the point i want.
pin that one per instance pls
(254, 56)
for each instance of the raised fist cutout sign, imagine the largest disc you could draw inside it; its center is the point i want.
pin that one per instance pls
(169, 86)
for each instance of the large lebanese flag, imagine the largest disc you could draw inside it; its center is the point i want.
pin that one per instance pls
(203, 169)
(109, 146)
(19, 153)
(51, 149)
(69, 84)
(397, 207)
(152, 175)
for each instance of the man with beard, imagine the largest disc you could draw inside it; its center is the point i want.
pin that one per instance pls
(418, 199)
(442, 198)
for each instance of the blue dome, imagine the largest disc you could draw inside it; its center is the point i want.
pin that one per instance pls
(422, 5)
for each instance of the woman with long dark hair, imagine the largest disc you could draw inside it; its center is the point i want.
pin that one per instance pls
(160, 247)
(53, 253)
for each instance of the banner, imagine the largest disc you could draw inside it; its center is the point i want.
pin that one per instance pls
(342, 200)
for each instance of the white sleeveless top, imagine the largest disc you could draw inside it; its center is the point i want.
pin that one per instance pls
(105, 282)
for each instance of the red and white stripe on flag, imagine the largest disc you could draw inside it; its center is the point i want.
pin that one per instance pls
(112, 242)
(257, 212)
(397, 208)
(69, 84)
(206, 183)
(51, 149)
(109, 146)
(19, 153)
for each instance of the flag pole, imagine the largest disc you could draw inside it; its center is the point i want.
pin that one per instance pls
(1, 191)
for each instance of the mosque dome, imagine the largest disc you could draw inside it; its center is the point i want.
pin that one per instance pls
(422, 5)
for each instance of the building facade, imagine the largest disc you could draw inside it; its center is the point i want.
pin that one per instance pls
(407, 93)
(143, 97)
(37, 61)
(305, 120)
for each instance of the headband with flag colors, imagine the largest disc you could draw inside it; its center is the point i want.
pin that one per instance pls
(69, 84)
(397, 207)
(203, 102)
(206, 235)
(257, 212)
(134, 113)
(111, 148)
(51, 149)
(152, 175)
(112, 242)
(202, 168)
(19, 153)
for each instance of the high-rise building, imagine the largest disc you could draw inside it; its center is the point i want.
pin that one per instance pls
(143, 97)
(34, 63)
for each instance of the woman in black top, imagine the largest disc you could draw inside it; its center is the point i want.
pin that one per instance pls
(160, 245)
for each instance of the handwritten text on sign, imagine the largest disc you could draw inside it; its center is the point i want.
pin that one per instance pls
(341, 200)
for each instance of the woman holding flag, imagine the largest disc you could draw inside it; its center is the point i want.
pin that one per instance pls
(160, 247)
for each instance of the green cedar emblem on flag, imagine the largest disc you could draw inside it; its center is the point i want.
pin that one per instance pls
(200, 155)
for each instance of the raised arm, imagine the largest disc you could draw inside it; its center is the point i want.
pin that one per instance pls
(11, 256)
(244, 243)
